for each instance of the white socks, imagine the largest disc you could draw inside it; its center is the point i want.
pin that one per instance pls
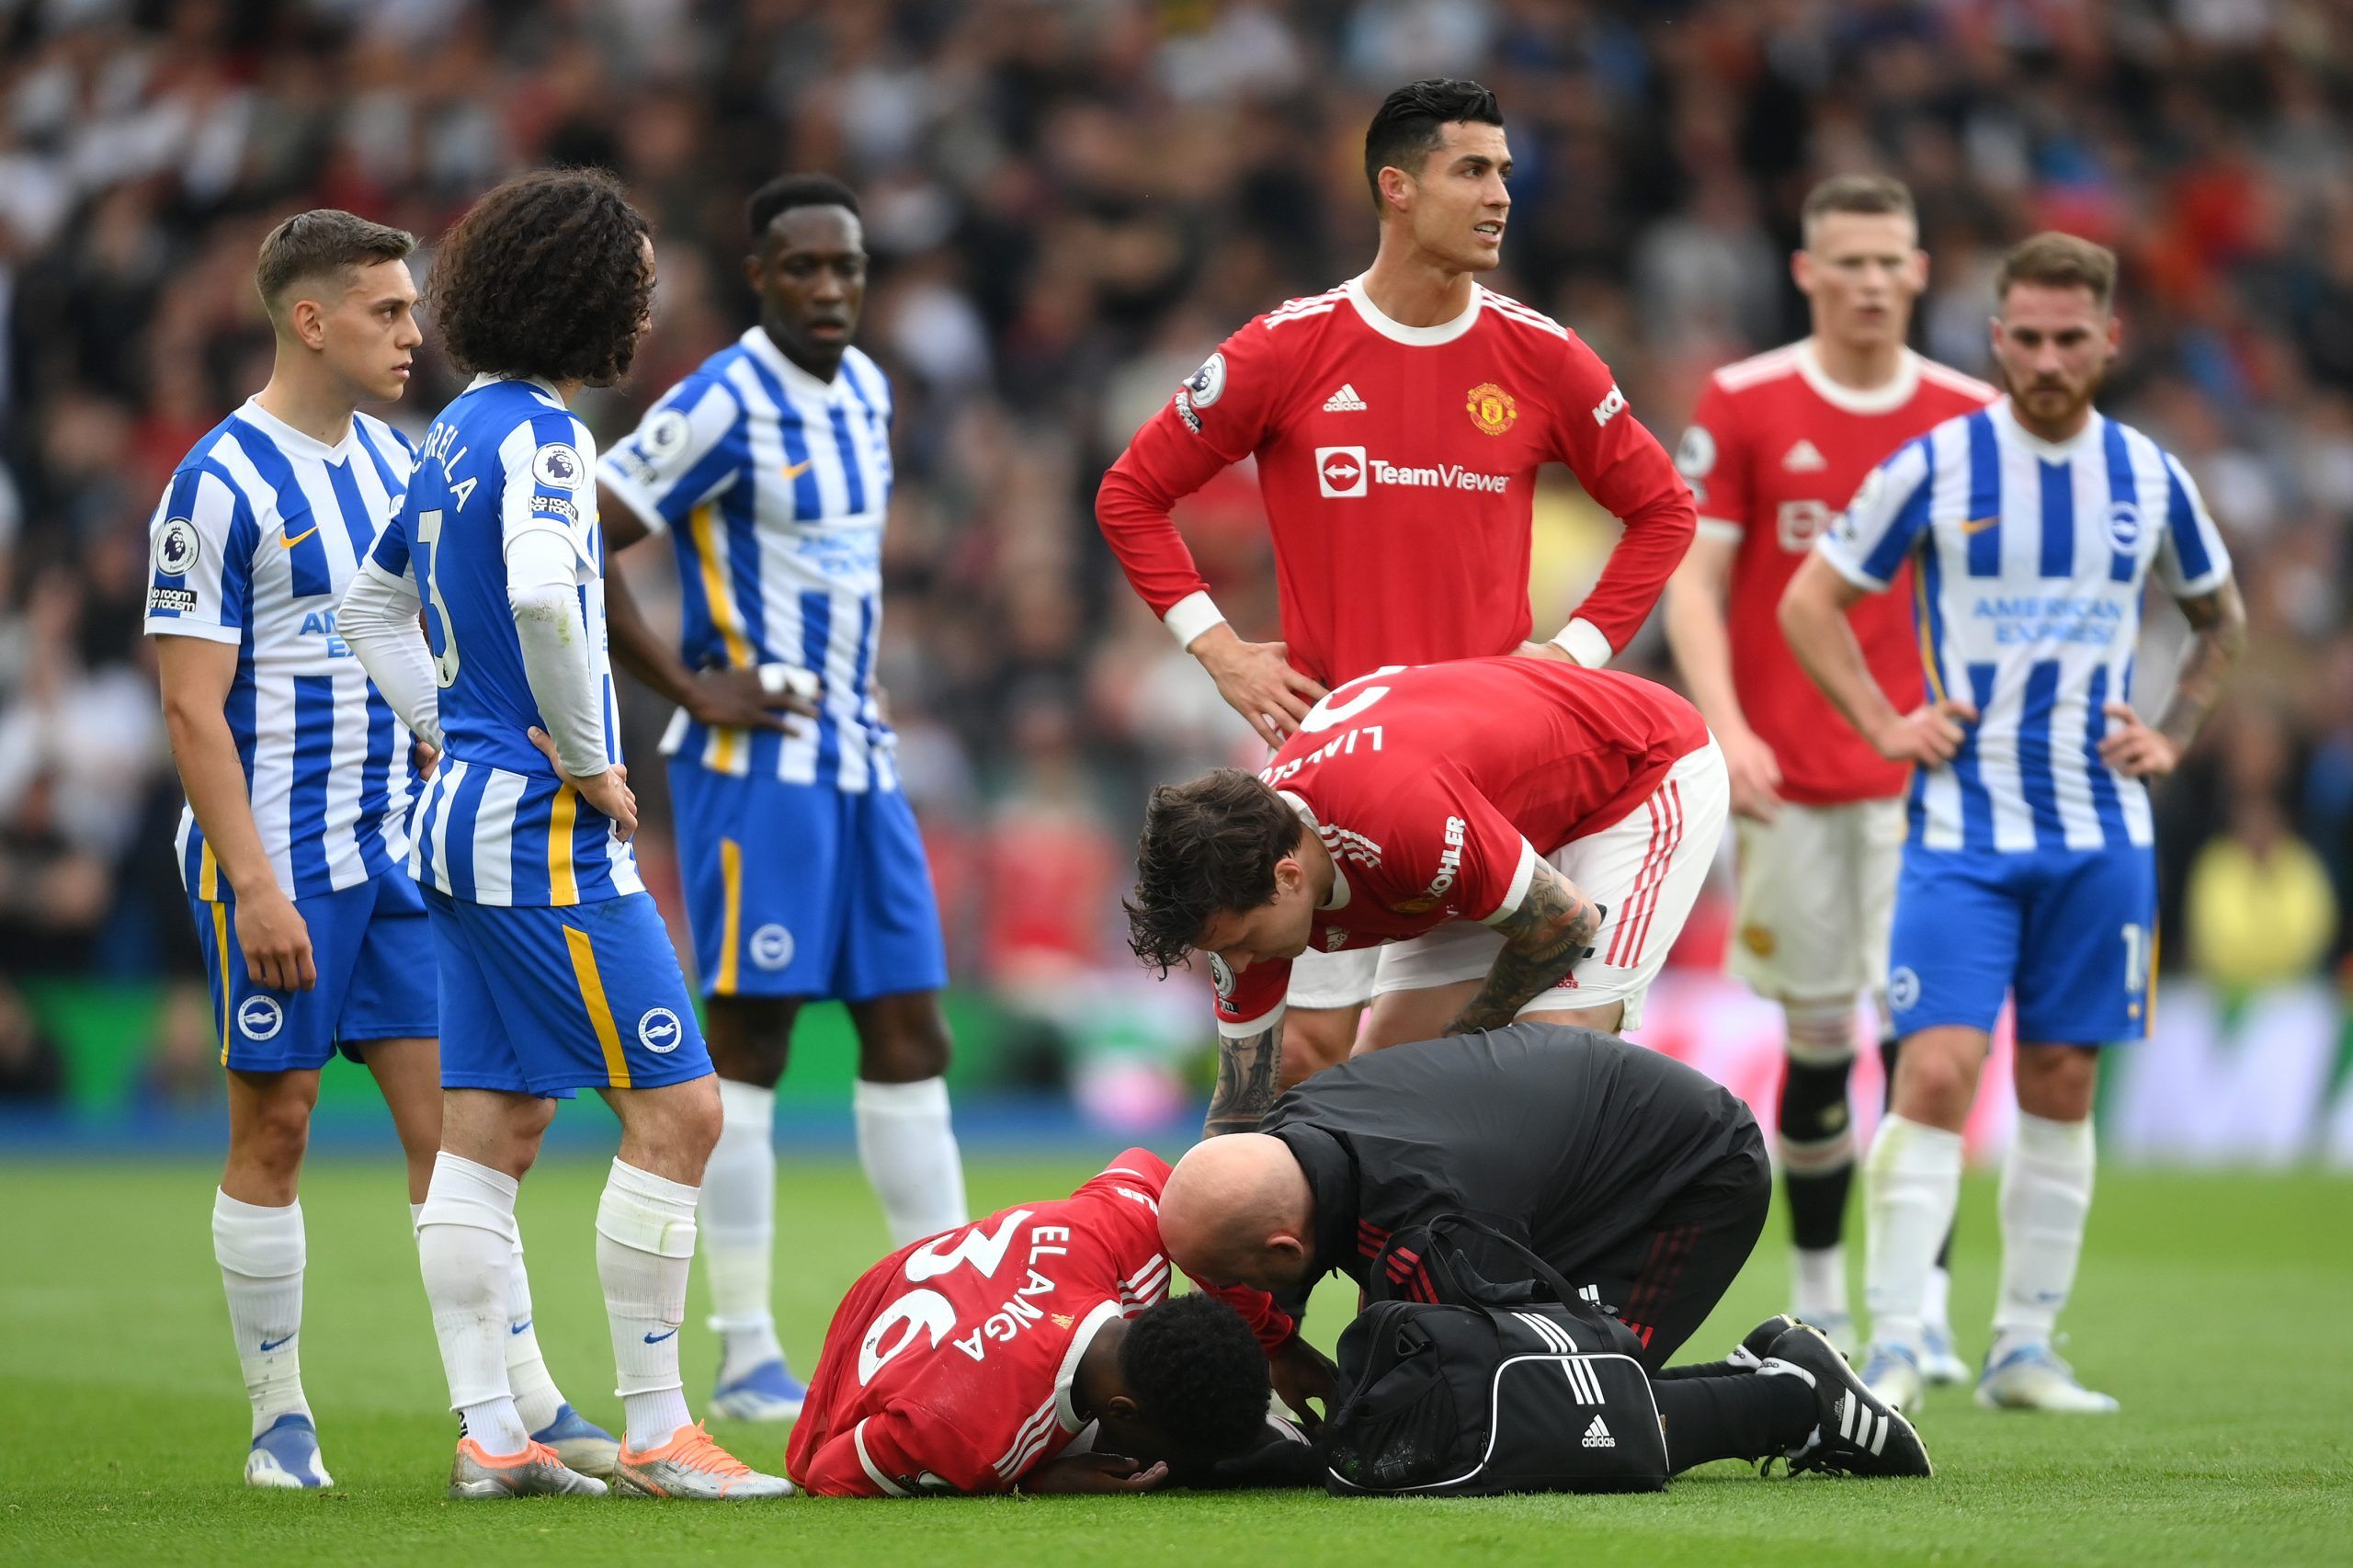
(466, 1248)
(537, 1399)
(1912, 1185)
(1821, 1282)
(260, 1251)
(738, 1216)
(2046, 1197)
(645, 1242)
(909, 1151)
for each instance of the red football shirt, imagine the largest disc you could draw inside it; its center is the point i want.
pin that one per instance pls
(1437, 788)
(1398, 467)
(948, 1365)
(1775, 452)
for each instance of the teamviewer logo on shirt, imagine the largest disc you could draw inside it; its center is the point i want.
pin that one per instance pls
(1340, 471)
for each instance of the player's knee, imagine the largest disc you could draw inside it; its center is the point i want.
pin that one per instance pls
(750, 1038)
(1933, 1084)
(1813, 1118)
(274, 1135)
(1314, 1038)
(2057, 1082)
(903, 1042)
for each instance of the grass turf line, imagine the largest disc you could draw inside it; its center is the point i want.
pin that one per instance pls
(2212, 1305)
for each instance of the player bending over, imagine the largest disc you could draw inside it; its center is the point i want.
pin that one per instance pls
(1398, 423)
(555, 971)
(294, 846)
(2029, 868)
(770, 468)
(1039, 1349)
(1526, 834)
(1777, 446)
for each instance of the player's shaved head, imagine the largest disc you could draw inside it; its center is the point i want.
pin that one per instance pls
(1238, 1211)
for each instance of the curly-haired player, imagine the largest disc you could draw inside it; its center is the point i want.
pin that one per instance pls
(974, 1361)
(555, 970)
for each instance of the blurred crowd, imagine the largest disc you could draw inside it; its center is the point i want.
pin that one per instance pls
(1070, 202)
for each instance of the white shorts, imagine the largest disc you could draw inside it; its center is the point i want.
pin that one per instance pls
(1817, 896)
(1319, 979)
(1647, 868)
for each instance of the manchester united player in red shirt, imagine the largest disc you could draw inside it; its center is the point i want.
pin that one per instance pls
(1777, 446)
(1521, 838)
(1398, 422)
(970, 1361)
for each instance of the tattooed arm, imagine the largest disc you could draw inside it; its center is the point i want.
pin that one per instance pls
(1248, 1079)
(2217, 624)
(1543, 939)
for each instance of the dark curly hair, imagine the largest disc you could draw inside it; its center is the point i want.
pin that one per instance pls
(545, 276)
(1208, 846)
(1199, 1377)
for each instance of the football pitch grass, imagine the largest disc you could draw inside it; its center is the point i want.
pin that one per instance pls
(2214, 1306)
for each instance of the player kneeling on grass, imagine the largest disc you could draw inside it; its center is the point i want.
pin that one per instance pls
(1036, 1349)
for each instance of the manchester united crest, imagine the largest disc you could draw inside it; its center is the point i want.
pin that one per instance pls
(1491, 408)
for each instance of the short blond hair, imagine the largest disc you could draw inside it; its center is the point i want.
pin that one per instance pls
(1871, 195)
(2059, 261)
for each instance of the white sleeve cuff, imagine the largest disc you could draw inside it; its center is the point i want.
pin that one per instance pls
(633, 495)
(1191, 616)
(1722, 529)
(1850, 571)
(1249, 1027)
(1583, 641)
(204, 631)
(1521, 876)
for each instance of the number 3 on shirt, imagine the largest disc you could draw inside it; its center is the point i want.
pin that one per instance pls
(1332, 710)
(438, 636)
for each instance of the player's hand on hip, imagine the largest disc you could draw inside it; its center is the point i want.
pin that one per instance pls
(1257, 682)
(608, 791)
(2135, 750)
(276, 942)
(1543, 650)
(1074, 1473)
(424, 758)
(1930, 735)
(1755, 775)
(1300, 1373)
(753, 699)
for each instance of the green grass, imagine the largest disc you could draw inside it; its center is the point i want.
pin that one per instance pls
(2214, 1306)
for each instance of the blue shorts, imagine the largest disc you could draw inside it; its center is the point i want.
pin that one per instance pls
(2072, 932)
(548, 1002)
(803, 890)
(370, 947)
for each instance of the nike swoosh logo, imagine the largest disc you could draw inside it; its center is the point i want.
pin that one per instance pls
(290, 541)
(268, 1344)
(797, 469)
(523, 1327)
(658, 1338)
(1979, 525)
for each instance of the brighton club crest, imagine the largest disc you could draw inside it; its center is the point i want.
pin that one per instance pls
(1491, 408)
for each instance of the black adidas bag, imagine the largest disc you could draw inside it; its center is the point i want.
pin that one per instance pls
(1492, 1388)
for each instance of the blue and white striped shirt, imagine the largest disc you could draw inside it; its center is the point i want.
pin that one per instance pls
(775, 486)
(252, 545)
(2032, 557)
(495, 824)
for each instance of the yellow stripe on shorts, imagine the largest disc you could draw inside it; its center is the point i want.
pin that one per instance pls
(730, 930)
(601, 1011)
(721, 757)
(220, 946)
(564, 887)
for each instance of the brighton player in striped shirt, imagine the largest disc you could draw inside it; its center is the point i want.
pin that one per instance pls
(2028, 866)
(297, 775)
(556, 973)
(769, 467)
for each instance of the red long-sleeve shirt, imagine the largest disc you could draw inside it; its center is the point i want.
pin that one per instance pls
(1398, 467)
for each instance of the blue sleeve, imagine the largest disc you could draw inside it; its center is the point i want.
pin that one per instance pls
(1884, 522)
(687, 449)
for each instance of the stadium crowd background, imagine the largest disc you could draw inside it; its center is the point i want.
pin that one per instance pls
(1069, 202)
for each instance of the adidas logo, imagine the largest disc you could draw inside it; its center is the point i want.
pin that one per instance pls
(1803, 458)
(1345, 401)
(1597, 1436)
